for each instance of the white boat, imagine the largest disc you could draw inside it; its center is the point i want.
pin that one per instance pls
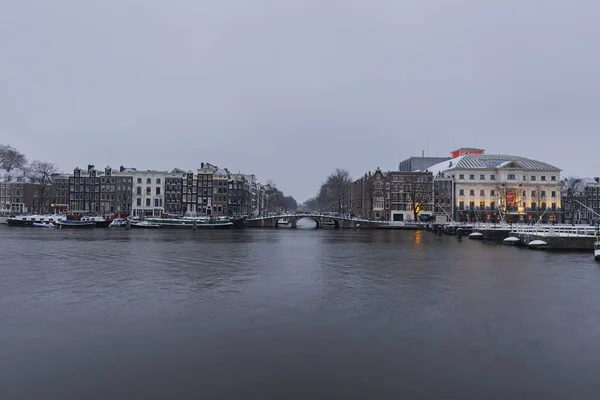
(44, 225)
(511, 240)
(283, 221)
(597, 251)
(537, 244)
(144, 225)
(476, 235)
(118, 223)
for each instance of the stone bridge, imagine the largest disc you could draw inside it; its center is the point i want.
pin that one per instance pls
(320, 220)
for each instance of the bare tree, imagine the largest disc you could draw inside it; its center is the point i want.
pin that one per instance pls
(419, 190)
(11, 158)
(41, 173)
(339, 184)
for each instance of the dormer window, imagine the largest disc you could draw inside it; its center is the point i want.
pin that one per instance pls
(461, 176)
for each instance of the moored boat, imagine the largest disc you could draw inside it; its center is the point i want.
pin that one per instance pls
(192, 222)
(99, 222)
(143, 225)
(118, 223)
(70, 224)
(597, 250)
(476, 236)
(29, 220)
(511, 240)
(537, 244)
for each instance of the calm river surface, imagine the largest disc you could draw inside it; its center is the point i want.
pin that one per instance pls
(240, 314)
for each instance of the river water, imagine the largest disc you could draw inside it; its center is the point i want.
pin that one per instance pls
(244, 314)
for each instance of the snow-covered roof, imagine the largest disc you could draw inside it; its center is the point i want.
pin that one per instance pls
(491, 161)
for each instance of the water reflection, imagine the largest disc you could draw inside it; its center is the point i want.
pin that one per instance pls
(118, 313)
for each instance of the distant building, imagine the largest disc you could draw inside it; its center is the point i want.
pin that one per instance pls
(414, 164)
(205, 188)
(220, 192)
(147, 192)
(174, 192)
(59, 193)
(492, 187)
(240, 200)
(581, 205)
(189, 193)
(84, 190)
(393, 195)
(18, 197)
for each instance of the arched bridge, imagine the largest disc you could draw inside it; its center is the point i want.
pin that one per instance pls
(321, 221)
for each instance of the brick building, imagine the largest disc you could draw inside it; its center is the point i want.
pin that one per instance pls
(393, 195)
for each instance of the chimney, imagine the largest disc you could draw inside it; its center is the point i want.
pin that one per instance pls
(201, 165)
(121, 168)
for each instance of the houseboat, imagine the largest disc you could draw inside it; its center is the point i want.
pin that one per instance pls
(29, 220)
(192, 222)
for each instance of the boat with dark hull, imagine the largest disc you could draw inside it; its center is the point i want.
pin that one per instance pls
(70, 224)
(192, 222)
(99, 222)
(29, 220)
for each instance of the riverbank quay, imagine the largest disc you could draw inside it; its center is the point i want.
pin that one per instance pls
(557, 237)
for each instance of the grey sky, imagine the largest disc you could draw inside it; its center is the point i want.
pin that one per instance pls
(290, 90)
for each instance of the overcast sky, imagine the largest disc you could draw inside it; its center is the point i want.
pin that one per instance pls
(290, 90)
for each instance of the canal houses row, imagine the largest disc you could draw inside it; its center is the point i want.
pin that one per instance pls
(209, 191)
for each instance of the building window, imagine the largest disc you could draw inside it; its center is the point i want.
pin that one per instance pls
(492, 177)
(158, 181)
(553, 194)
(472, 192)
(387, 185)
(147, 202)
(461, 205)
(492, 192)
(139, 201)
(511, 177)
(139, 180)
(471, 205)
(157, 190)
(553, 206)
(543, 206)
(482, 205)
(461, 192)
(553, 178)
(533, 193)
(543, 193)
(472, 177)
(139, 190)
(155, 202)
(461, 176)
(482, 177)
(524, 178)
(543, 177)
(148, 190)
(533, 206)
(493, 205)
(482, 192)
(533, 177)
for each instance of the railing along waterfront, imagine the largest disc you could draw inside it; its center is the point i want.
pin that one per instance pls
(555, 230)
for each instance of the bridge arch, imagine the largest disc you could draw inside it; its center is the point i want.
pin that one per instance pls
(317, 220)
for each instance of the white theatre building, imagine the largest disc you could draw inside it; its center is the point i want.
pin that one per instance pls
(491, 187)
